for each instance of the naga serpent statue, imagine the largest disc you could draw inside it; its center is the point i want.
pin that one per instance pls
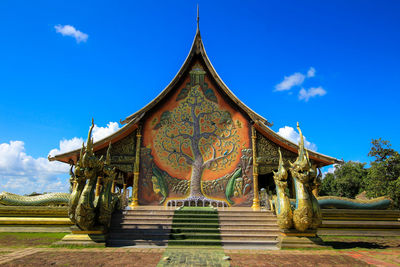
(87, 211)
(300, 170)
(283, 210)
(50, 199)
(79, 181)
(107, 200)
(315, 179)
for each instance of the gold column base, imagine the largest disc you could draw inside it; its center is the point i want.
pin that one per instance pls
(134, 203)
(256, 204)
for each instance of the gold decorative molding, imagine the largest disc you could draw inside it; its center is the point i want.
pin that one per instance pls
(256, 199)
(136, 169)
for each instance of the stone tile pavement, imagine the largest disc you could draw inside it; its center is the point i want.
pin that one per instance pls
(195, 257)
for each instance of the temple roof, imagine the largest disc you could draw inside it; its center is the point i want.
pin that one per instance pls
(197, 51)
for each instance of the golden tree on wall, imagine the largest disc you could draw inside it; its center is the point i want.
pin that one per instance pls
(196, 135)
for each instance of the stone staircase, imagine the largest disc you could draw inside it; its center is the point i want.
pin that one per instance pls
(360, 222)
(140, 227)
(247, 229)
(234, 228)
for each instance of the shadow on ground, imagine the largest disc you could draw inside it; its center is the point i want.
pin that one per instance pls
(349, 245)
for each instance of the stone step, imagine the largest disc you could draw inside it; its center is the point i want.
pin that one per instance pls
(254, 217)
(226, 226)
(135, 211)
(140, 221)
(138, 242)
(138, 236)
(361, 224)
(196, 225)
(249, 243)
(154, 226)
(274, 231)
(195, 242)
(359, 232)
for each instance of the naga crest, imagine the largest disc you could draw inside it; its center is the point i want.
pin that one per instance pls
(302, 164)
(281, 175)
(87, 158)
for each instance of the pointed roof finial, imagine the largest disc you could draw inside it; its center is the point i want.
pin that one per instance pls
(198, 18)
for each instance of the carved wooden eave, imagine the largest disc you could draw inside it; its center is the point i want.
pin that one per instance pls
(197, 49)
(98, 145)
(320, 159)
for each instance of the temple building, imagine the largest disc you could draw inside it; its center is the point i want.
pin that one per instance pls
(196, 142)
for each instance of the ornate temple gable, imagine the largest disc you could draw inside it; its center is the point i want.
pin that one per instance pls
(268, 155)
(197, 55)
(122, 153)
(195, 140)
(316, 158)
(73, 156)
(210, 83)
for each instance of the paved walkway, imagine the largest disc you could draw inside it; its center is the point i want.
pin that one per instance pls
(214, 256)
(205, 257)
(4, 258)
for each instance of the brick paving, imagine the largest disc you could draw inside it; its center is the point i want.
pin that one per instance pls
(215, 256)
(7, 257)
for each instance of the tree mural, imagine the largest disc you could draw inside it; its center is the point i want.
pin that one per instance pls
(196, 135)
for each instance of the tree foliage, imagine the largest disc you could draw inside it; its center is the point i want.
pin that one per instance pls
(345, 181)
(383, 177)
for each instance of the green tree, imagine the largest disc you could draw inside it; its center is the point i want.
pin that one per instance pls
(383, 178)
(345, 181)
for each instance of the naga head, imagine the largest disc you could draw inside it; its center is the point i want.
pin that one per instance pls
(281, 174)
(86, 159)
(302, 163)
(108, 157)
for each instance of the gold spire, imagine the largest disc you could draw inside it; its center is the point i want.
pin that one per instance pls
(198, 18)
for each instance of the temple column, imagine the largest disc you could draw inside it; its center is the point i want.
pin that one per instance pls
(256, 199)
(136, 169)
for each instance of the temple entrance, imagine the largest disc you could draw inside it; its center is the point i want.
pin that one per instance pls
(266, 181)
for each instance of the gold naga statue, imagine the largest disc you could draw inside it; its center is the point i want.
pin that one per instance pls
(86, 210)
(306, 213)
(283, 210)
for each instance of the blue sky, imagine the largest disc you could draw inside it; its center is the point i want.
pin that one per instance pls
(346, 52)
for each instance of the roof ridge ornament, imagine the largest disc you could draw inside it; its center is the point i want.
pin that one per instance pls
(198, 18)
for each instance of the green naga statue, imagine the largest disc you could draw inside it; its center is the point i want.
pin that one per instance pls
(315, 178)
(283, 209)
(85, 210)
(107, 201)
(79, 181)
(300, 170)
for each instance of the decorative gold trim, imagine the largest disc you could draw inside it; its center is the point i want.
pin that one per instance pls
(256, 199)
(135, 185)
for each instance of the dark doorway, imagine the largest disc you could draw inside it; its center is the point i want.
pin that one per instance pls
(266, 181)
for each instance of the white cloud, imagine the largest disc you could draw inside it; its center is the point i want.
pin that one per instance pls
(102, 132)
(21, 173)
(67, 145)
(311, 92)
(68, 30)
(328, 169)
(290, 81)
(98, 133)
(311, 72)
(290, 134)
(296, 79)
